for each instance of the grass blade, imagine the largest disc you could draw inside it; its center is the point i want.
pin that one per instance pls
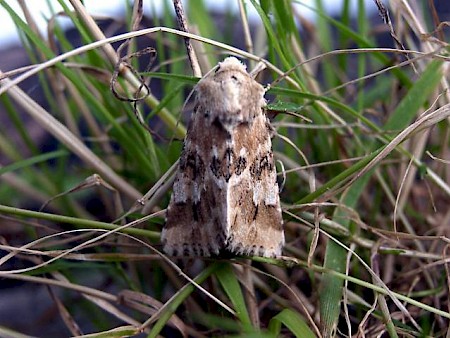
(293, 321)
(230, 284)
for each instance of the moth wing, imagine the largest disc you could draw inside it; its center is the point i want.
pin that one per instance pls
(254, 212)
(189, 233)
(225, 193)
(195, 218)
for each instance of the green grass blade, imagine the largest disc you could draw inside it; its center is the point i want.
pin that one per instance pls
(272, 35)
(122, 331)
(293, 321)
(77, 222)
(335, 259)
(178, 299)
(192, 80)
(230, 284)
(33, 160)
(416, 97)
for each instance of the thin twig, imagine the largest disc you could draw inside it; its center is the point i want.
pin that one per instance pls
(182, 24)
(246, 27)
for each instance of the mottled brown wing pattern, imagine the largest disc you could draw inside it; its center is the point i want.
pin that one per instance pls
(225, 195)
(254, 212)
(196, 214)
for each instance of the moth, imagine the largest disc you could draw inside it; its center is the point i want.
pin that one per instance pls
(225, 195)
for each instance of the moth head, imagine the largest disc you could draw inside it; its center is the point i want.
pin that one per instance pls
(230, 73)
(229, 88)
(231, 63)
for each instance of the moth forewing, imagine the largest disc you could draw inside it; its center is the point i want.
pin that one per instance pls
(225, 195)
